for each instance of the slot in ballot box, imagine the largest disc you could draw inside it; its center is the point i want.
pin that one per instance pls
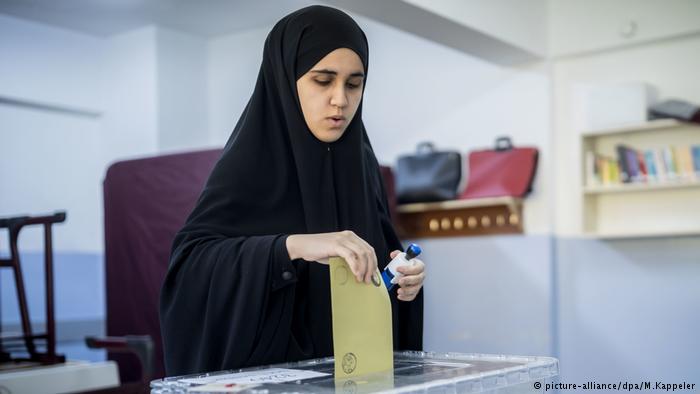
(414, 372)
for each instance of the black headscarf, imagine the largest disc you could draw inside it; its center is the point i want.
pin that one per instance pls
(232, 298)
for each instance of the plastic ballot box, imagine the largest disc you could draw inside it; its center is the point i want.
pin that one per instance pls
(414, 372)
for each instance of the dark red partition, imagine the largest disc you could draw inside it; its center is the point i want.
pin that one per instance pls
(146, 201)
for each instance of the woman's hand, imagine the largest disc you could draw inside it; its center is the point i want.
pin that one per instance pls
(412, 280)
(357, 253)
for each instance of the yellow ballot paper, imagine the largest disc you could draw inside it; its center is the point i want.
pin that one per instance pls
(362, 330)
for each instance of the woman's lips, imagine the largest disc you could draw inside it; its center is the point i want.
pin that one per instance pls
(335, 122)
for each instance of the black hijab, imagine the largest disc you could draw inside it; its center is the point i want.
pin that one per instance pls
(232, 298)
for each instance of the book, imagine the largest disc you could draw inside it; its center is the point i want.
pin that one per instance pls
(669, 163)
(643, 173)
(685, 162)
(660, 165)
(622, 159)
(652, 173)
(696, 159)
(614, 171)
(632, 165)
(605, 170)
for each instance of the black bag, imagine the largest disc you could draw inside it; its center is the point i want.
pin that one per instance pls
(675, 109)
(428, 175)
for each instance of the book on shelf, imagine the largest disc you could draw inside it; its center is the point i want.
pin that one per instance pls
(648, 158)
(602, 170)
(669, 162)
(685, 161)
(643, 173)
(678, 163)
(630, 164)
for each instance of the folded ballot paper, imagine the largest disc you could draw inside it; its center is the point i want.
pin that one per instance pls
(362, 329)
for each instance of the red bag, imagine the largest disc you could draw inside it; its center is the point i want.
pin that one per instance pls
(503, 171)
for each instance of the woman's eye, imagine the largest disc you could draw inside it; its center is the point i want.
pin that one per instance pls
(353, 85)
(322, 83)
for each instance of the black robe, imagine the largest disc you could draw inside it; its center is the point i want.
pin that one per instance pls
(232, 298)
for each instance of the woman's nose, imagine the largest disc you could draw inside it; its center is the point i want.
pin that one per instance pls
(339, 97)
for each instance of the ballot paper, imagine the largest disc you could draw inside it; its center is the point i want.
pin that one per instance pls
(362, 329)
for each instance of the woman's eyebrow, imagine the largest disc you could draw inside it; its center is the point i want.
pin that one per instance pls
(331, 72)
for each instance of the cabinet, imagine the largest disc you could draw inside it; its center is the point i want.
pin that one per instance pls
(479, 216)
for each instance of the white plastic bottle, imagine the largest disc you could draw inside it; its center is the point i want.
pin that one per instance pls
(390, 275)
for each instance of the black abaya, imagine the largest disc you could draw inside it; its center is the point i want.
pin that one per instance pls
(232, 298)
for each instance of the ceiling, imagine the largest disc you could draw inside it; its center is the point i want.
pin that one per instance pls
(209, 18)
(108, 17)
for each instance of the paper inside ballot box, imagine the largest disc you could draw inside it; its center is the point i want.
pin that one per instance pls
(362, 329)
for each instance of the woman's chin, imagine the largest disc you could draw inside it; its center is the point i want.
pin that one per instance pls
(330, 134)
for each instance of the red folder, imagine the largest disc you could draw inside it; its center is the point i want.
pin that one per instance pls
(502, 171)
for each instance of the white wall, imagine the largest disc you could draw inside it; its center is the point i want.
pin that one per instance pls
(70, 105)
(627, 310)
(35, 54)
(130, 94)
(233, 64)
(50, 158)
(124, 96)
(490, 294)
(52, 120)
(182, 90)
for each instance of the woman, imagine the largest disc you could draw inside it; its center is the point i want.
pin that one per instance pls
(297, 183)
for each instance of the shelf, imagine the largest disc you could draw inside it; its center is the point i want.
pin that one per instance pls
(640, 210)
(510, 202)
(641, 187)
(633, 128)
(643, 234)
(483, 216)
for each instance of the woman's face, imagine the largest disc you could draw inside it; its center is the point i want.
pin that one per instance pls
(330, 93)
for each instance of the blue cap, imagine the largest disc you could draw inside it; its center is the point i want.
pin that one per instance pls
(412, 251)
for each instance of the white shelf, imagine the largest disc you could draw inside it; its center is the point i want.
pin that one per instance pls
(640, 186)
(635, 128)
(640, 210)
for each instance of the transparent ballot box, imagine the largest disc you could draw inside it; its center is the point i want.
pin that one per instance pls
(414, 372)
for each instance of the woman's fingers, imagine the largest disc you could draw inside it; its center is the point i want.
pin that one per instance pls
(371, 258)
(411, 289)
(394, 254)
(408, 294)
(357, 266)
(360, 268)
(412, 280)
(414, 269)
(365, 253)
